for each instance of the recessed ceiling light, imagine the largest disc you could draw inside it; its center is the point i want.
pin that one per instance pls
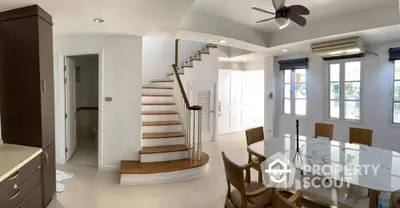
(222, 41)
(98, 20)
(284, 50)
(244, 59)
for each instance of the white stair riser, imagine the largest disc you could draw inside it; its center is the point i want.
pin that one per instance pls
(158, 108)
(146, 99)
(158, 91)
(159, 129)
(161, 157)
(162, 84)
(163, 142)
(168, 177)
(172, 117)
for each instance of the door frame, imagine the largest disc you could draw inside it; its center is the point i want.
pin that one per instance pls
(191, 98)
(60, 104)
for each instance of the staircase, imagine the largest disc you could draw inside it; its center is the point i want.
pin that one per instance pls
(171, 130)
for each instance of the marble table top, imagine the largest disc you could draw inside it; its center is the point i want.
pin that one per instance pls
(319, 152)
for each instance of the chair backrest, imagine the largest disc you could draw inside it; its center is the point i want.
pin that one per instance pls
(280, 202)
(361, 136)
(234, 174)
(323, 130)
(254, 135)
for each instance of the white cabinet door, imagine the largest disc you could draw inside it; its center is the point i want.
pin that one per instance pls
(203, 93)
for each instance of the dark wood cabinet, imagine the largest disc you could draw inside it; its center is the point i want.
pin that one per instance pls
(27, 86)
(34, 200)
(49, 171)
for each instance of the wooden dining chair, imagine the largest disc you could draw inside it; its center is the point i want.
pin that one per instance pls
(324, 130)
(252, 136)
(295, 201)
(361, 136)
(245, 195)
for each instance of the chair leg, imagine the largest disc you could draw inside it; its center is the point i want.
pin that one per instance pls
(260, 178)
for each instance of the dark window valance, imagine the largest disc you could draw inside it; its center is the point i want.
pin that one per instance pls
(293, 64)
(394, 54)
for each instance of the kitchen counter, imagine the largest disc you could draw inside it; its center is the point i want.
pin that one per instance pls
(13, 157)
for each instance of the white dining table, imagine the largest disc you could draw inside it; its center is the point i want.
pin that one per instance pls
(316, 151)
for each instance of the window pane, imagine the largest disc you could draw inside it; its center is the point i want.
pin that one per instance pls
(287, 76)
(300, 75)
(301, 107)
(334, 71)
(397, 91)
(287, 91)
(300, 91)
(352, 110)
(352, 71)
(396, 113)
(397, 70)
(352, 91)
(335, 109)
(335, 90)
(287, 106)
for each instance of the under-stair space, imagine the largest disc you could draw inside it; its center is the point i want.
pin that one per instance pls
(168, 152)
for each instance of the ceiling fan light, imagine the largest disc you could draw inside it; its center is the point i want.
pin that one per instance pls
(282, 22)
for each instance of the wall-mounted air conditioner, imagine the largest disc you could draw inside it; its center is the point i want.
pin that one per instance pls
(344, 47)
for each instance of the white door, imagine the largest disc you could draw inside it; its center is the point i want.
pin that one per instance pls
(203, 93)
(70, 107)
(231, 101)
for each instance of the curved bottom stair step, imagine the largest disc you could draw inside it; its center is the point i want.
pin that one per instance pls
(138, 173)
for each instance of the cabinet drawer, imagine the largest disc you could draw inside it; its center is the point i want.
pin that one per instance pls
(19, 194)
(19, 176)
(33, 200)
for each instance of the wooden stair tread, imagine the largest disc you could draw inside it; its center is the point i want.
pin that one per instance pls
(162, 135)
(160, 88)
(163, 80)
(156, 95)
(158, 103)
(211, 46)
(163, 149)
(160, 123)
(172, 73)
(135, 167)
(159, 112)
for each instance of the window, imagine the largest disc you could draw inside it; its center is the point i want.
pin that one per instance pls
(345, 90)
(295, 92)
(396, 93)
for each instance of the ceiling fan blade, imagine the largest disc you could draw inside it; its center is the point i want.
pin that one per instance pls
(265, 20)
(278, 4)
(262, 10)
(298, 20)
(298, 10)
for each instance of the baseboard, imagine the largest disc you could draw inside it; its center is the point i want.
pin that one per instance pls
(108, 167)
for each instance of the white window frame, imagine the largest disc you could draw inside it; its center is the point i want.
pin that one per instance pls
(342, 82)
(292, 92)
(393, 89)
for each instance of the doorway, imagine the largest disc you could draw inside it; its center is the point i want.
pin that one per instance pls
(203, 94)
(81, 104)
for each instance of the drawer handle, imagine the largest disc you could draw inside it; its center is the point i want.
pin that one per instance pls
(15, 195)
(46, 157)
(13, 176)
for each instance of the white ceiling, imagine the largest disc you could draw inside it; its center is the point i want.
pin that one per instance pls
(240, 10)
(138, 17)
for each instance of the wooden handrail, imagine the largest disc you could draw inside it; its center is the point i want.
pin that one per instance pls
(175, 68)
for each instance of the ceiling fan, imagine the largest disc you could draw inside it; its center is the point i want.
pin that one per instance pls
(284, 14)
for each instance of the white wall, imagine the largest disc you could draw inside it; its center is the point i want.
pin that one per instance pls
(158, 56)
(377, 75)
(120, 75)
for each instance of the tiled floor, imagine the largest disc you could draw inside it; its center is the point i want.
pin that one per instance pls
(92, 189)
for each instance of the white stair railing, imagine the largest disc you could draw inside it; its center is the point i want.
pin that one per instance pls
(188, 49)
(189, 115)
